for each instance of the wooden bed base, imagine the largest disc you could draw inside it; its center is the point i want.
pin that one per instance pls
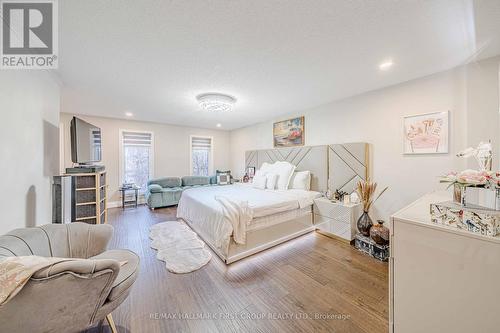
(262, 239)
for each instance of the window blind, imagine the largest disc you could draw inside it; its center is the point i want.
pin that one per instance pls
(96, 137)
(201, 143)
(137, 139)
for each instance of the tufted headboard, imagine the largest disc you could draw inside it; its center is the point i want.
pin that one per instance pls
(335, 166)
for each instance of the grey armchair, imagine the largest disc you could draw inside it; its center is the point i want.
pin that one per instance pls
(68, 296)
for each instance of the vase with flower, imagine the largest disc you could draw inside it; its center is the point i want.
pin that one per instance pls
(366, 192)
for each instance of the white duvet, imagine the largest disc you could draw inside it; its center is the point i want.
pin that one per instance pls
(219, 212)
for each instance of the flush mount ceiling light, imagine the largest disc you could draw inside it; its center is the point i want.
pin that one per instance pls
(385, 65)
(129, 114)
(216, 102)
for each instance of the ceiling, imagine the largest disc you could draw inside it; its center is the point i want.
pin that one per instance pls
(152, 58)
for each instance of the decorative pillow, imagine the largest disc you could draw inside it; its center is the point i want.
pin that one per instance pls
(301, 180)
(259, 182)
(155, 188)
(271, 180)
(285, 171)
(227, 172)
(265, 167)
(223, 178)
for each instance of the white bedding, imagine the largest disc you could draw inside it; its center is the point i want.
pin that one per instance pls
(211, 209)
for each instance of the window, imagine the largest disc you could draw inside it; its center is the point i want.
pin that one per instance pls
(136, 157)
(201, 155)
(95, 144)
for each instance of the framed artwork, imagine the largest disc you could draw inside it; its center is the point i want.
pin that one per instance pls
(289, 133)
(251, 172)
(426, 133)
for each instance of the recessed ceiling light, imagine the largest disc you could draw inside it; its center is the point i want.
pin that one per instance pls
(129, 114)
(218, 125)
(216, 102)
(385, 65)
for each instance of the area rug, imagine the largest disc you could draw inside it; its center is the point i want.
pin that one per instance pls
(179, 247)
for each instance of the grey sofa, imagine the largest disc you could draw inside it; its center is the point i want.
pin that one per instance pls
(68, 296)
(163, 192)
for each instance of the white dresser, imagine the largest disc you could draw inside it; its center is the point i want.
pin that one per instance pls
(441, 279)
(336, 219)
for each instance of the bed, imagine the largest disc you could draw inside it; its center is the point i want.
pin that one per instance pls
(238, 220)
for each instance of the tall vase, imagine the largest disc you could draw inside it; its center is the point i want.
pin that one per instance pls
(459, 192)
(364, 224)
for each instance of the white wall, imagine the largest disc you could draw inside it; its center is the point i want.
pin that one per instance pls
(29, 148)
(376, 118)
(171, 147)
(483, 111)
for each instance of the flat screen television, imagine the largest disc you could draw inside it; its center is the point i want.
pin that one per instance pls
(85, 142)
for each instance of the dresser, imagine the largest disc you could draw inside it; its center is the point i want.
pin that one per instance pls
(336, 219)
(441, 279)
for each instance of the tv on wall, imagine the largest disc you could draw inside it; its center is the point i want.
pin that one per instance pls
(85, 142)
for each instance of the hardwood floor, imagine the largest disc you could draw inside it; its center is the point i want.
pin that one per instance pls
(310, 284)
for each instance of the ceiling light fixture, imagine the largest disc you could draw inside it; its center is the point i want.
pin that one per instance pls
(385, 65)
(216, 102)
(218, 125)
(129, 114)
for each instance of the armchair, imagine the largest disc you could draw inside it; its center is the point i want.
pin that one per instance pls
(68, 296)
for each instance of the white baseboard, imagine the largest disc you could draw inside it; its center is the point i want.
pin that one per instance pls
(114, 204)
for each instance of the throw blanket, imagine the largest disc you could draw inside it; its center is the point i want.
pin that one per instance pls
(15, 272)
(239, 215)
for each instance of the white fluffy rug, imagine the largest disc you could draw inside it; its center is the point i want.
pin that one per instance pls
(179, 247)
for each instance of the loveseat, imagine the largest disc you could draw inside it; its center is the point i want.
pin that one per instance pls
(163, 192)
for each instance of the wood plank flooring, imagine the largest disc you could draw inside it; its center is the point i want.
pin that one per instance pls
(310, 284)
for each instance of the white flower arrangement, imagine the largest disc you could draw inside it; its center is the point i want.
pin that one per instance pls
(482, 154)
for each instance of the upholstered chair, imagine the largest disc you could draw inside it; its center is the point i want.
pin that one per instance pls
(68, 296)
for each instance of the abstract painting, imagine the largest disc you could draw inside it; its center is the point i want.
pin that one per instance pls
(289, 133)
(426, 133)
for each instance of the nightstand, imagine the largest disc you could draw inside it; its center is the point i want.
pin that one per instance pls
(336, 219)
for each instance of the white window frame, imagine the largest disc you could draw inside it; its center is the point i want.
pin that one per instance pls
(211, 162)
(120, 154)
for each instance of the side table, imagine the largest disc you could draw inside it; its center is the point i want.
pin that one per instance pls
(126, 202)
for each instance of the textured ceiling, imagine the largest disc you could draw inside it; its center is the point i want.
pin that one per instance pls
(152, 58)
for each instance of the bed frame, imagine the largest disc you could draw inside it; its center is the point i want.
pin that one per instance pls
(262, 239)
(336, 166)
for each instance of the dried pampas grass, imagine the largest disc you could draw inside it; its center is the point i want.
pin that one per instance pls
(366, 191)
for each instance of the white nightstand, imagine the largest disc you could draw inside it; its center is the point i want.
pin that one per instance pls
(336, 219)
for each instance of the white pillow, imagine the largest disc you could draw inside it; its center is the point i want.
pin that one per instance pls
(259, 173)
(271, 180)
(285, 171)
(265, 167)
(259, 182)
(301, 180)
